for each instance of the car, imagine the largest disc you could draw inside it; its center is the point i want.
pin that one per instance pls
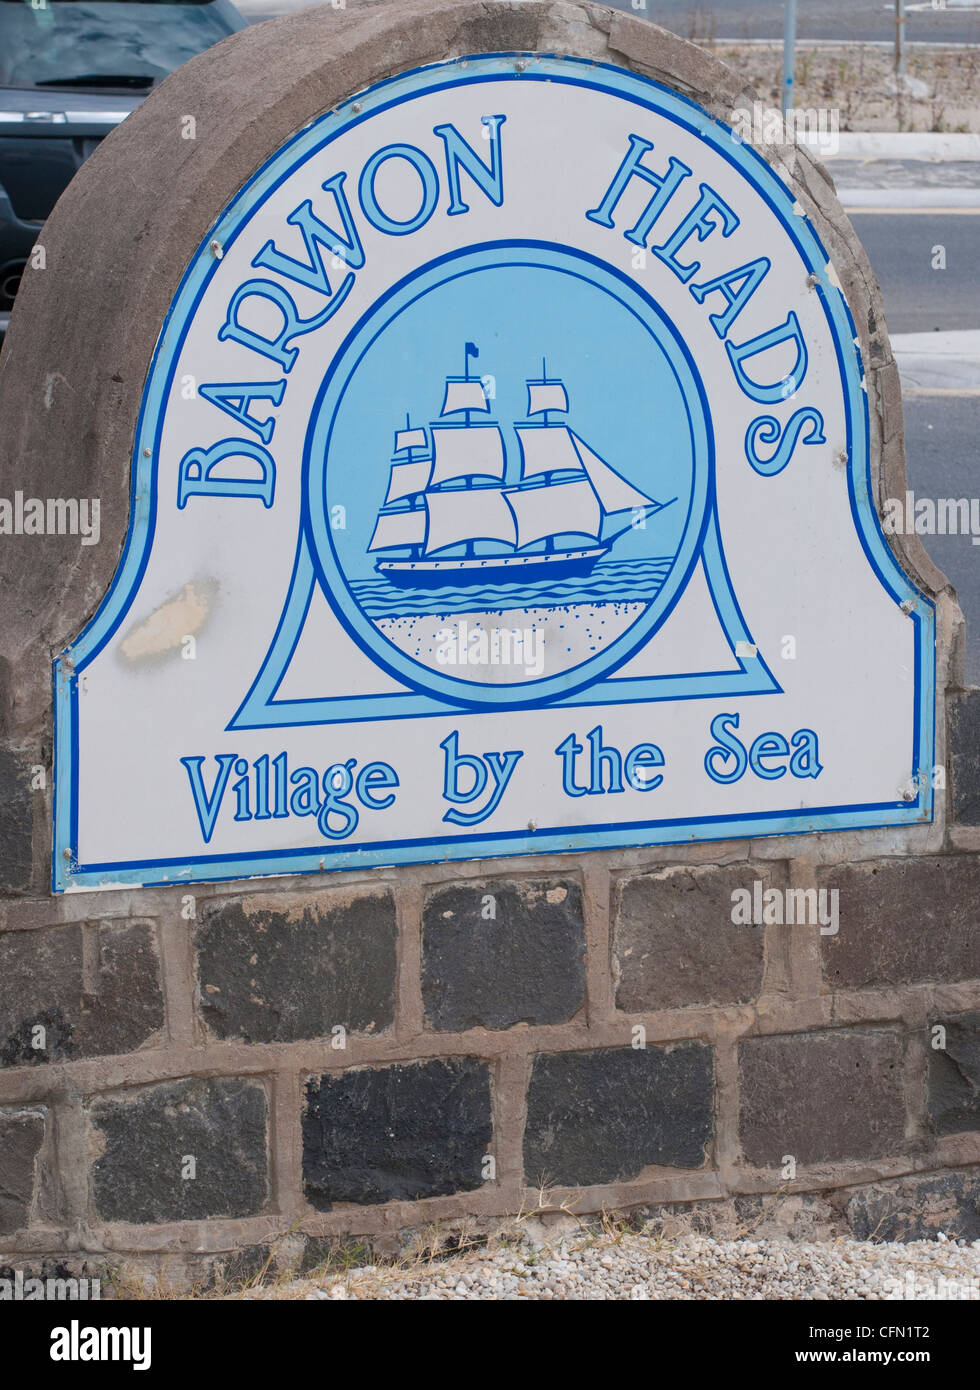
(70, 71)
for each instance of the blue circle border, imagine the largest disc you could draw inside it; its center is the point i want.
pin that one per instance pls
(329, 572)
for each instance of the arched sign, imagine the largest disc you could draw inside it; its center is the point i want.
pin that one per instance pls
(501, 484)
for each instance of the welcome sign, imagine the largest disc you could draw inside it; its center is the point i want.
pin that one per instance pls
(501, 484)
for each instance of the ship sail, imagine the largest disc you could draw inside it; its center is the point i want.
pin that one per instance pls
(410, 439)
(614, 492)
(468, 514)
(563, 508)
(408, 479)
(545, 395)
(565, 490)
(461, 452)
(464, 394)
(546, 450)
(398, 528)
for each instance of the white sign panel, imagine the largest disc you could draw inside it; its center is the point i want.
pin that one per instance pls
(501, 485)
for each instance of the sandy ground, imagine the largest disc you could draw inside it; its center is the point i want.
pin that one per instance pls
(550, 639)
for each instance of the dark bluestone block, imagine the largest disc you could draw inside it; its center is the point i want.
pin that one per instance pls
(148, 1134)
(903, 920)
(396, 1133)
(964, 756)
(604, 1116)
(674, 942)
(115, 1008)
(954, 1076)
(269, 976)
(821, 1097)
(21, 1137)
(16, 822)
(496, 954)
(918, 1208)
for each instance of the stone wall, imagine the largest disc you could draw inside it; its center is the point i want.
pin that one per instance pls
(418, 1046)
(194, 1078)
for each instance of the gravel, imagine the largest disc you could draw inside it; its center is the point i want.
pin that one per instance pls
(641, 1266)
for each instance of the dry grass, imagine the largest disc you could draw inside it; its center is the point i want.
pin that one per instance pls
(458, 1247)
(853, 79)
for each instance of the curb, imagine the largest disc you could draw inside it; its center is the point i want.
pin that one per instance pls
(893, 144)
(909, 199)
(947, 363)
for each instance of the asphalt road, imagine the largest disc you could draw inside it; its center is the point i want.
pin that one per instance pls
(941, 432)
(816, 19)
(901, 247)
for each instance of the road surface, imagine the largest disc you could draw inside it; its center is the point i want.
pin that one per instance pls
(902, 248)
(942, 430)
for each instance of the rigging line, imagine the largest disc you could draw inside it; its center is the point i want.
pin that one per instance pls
(657, 507)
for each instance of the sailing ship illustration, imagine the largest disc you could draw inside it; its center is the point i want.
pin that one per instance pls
(448, 492)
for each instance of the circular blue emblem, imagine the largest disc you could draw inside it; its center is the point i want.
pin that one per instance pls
(507, 474)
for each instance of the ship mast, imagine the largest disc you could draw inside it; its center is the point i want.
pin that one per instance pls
(464, 450)
(411, 469)
(434, 503)
(544, 396)
(582, 489)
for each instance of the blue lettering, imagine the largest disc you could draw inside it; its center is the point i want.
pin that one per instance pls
(638, 761)
(488, 178)
(333, 804)
(768, 746)
(568, 752)
(786, 386)
(242, 810)
(632, 167)
(234, 398)
(748, 279)
(305, 800)
(376, 775)
(696, 221)
(207, 807)
(727, 746)
(194, 473)
(805, 761)
(601, 756)
(768, 429)
(501, 765)
(426, 171)
(315, 234)
(293, 324)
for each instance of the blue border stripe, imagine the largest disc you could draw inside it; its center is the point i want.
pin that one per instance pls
(652, 96)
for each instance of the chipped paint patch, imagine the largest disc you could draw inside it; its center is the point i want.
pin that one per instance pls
(165, 630)
(49, 384)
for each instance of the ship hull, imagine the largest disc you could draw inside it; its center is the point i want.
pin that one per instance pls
(506, 569)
